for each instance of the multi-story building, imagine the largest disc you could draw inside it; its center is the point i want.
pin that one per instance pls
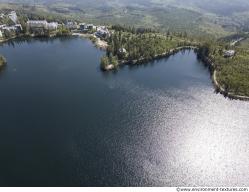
(71, 25)
(41, 24)
(52, 26)
(34, 24)
(102, 31)
(13, 16)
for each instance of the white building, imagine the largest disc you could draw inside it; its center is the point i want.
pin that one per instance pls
(102, 31)
(90, 27)
(82, 26)
(229, 53)
(12, 15)
(37, 24)
(10, 28)
(42, 24)
(71, 25)
(52, 26)
(18, 27)
(102, 27)
(122, 50)
(2, 26)
(13, 28)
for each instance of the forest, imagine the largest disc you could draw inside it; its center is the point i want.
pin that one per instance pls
(128, 44)
(232, 72)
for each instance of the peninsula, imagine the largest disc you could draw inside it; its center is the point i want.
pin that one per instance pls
(227, 59)
(228, 62)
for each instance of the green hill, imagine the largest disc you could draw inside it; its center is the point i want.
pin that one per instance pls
(206, 17)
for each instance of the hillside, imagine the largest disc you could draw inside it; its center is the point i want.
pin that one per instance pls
(220, 7)
(207, 17)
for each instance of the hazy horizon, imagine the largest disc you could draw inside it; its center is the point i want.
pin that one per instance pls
(212, 6)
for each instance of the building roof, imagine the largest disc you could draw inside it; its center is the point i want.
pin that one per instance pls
(12, 15)
(71, 23)
(1, 26)
(122, 50)
(229, 53)
(10, 28)
(53, 23)
(36, 21)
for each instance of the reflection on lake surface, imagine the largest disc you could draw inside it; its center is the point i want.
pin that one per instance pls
(65, 123)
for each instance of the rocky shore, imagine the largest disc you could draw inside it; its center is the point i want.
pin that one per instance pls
(97, 41)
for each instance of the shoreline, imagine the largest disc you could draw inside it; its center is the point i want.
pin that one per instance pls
(206, 61)
(103, 45)
(218, 86)
(98, 42)
(221, 90)
(143, 60)
(11, 38)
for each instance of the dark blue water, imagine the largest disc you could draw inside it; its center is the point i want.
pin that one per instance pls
(63, 122)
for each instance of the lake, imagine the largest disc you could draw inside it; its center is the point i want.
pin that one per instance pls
(66, 123)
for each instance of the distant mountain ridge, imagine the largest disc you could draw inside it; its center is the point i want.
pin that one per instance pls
(221, 7)
(218, 17)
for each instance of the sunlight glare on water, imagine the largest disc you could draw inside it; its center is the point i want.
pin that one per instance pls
(65, 123)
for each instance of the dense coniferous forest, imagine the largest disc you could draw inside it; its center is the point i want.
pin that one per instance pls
(232, 72)
(130, 44)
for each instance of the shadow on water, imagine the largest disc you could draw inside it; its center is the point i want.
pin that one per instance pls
(149, 63)
(28, 39)
(109, 74)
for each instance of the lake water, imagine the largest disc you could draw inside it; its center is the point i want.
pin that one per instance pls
(63, 122)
